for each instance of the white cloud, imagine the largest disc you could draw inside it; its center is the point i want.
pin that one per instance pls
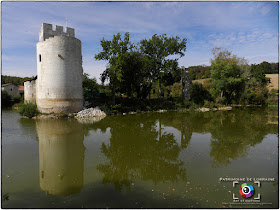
(241, 27)
(265, 10)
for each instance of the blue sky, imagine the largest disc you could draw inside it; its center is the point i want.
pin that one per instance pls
(248, 29)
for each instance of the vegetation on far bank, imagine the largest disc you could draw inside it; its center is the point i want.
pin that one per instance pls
(7, 101)
(146, 77)
(28, 110)
(14, 80)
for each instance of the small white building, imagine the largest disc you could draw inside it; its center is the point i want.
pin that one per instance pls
(11, 89)
(30, 91)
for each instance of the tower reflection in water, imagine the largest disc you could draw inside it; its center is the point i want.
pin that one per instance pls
(61, 152)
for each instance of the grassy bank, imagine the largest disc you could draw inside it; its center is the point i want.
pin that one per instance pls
(134, 105)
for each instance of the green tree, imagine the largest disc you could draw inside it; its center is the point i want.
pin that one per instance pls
(258, 72)
(226, 76)
(158, 50)
(199, 72)
(255, 92)
(199, 94)
(6, 99)
(136, 75)
(90, 87)
(115, 52)
(266, 67)
(14, 80)
(274, 68)
(173, 75)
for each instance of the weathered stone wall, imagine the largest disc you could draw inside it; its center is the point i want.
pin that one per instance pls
(186, 84)
(47, 32)
(30, 91)
(59, 74)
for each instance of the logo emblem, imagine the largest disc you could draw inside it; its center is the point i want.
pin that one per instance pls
(246, 190)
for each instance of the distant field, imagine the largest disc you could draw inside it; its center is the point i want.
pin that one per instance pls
(274, 81)
(201, 81)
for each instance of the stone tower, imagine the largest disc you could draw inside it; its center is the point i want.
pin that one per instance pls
(186, 83)
(30, 91)
(59, 71)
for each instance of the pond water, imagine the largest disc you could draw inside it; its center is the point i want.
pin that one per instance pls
(151, 160)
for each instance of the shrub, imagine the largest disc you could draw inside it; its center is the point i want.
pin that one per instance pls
(254, 95)
(17, 99)
(28, 110)
(199, 94)
(273, 96)
(6, 100)
(175, 90)
(190, 105)
(209, 104)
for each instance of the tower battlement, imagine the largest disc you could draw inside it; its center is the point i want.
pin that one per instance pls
(47, 32)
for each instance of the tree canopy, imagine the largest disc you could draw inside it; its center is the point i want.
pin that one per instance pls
(159, 50)
(14, 80)
(115, 52)
(226, 75)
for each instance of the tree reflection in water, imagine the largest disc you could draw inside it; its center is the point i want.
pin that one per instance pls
(139, 150)
(232, 132)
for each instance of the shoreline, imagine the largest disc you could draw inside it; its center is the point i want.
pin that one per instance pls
(201, 109)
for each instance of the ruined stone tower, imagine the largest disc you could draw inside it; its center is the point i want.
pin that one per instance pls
(186, 83)
(30, 91)
(59, 71)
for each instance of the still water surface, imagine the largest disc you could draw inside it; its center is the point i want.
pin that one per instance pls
(152, 160)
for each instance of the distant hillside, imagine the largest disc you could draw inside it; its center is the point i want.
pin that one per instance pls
(203, 71)
(274, 81)
(14, 80)
(201, 81)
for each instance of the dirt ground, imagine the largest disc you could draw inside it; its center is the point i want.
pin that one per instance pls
(274, 81)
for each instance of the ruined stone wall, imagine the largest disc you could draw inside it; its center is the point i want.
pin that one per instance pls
(186, 84)
(59, 73)
(30, 91)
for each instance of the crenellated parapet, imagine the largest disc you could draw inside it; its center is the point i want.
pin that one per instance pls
(46, 32)
(59, 86)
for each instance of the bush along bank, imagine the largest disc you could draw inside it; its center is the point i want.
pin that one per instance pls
(28, 110)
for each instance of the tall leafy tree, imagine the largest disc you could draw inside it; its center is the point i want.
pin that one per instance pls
(115, 52)
(90, 87)
(255, 87)
(159, 50)
(226, 75)
(258, 72)
(135, 79)
(274, 68)
(266, 67)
